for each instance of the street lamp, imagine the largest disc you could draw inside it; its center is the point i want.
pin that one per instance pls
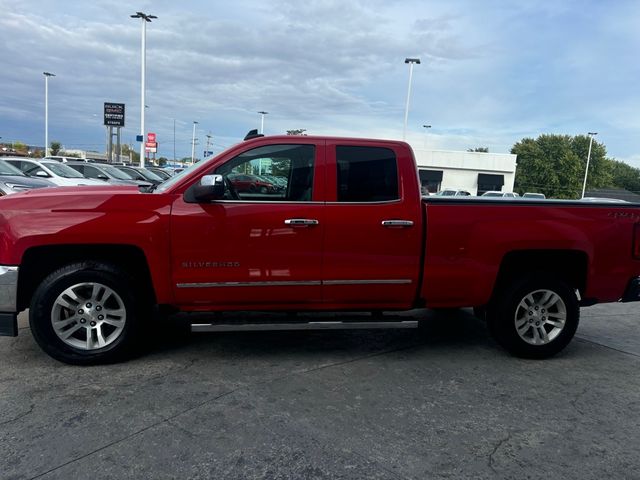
(262, 114)
(145, 18)
(586, 172)
(193, 142)
(411, 62)
(46, 111)
(427, 127)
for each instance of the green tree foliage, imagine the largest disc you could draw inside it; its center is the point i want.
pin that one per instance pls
(623, 175)
(135, 156)
(555, 165)
(162, 161)
(55, 147)
(20, 147)
(479, 149)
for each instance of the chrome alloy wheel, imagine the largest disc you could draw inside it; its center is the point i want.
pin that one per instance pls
(540, 317)
(88, 316)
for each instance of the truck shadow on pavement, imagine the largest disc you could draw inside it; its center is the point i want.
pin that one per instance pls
(445, 329)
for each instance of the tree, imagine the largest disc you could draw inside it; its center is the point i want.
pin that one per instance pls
(623, 175)
(162, 161)
(547, 165)
(55, 147)
(126, 151)
(20, 147)
(297, 131)
(599, 169)
(555, 165)
(479, 149)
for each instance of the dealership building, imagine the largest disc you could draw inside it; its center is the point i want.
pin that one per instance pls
(475, 172)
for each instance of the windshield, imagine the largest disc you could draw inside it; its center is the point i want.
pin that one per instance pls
(8, 169)
(62, 170)
(114, 172)
(149, 175)
(176, 178)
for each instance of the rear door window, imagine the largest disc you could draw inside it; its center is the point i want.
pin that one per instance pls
(366, 174)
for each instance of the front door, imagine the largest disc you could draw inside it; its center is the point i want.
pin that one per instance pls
(261, 246)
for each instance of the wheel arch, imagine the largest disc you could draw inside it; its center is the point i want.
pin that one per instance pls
(38, 262)
(570, 266)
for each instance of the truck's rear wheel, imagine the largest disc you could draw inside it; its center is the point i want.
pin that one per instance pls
(85, 313)
(534, 318)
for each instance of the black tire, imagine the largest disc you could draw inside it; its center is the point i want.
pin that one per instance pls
(252, 188)
(84, 274)
(263, 190)
(506, 310)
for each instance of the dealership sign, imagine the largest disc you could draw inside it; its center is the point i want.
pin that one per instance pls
(151, 145)
(114, 114)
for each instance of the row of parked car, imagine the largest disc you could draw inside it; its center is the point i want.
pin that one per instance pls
(19, 174)
(452, 192)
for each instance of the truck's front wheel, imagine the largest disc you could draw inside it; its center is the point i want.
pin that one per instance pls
(85, 313)
(534, 318)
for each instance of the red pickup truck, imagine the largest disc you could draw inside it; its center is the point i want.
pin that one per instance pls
(349, 231)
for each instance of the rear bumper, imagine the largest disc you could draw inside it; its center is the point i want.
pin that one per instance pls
(632, 293)
(8, 300)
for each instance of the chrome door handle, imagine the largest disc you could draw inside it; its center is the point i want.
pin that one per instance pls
(397, 223)
(301, 222)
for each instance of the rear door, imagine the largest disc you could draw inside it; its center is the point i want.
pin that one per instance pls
(373, 226)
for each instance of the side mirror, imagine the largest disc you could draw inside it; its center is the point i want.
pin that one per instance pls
(210, 187)
(42, 173)
(102, 177)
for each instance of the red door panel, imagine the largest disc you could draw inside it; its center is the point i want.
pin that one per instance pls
(368, 263)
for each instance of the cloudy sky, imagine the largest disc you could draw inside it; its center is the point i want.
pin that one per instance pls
(492, 72)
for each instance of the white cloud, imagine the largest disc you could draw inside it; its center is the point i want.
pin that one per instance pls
(491, 72)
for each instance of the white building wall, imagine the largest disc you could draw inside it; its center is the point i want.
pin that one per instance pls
(461, 169)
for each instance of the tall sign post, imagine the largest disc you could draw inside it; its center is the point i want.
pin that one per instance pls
(113, 117)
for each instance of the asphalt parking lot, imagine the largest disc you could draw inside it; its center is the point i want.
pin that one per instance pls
(440, 402)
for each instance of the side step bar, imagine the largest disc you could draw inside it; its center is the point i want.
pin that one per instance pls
(249, 327)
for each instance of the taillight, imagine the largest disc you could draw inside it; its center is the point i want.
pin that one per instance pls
(636, 241)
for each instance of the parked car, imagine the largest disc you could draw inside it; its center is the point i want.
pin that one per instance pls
(106, 173)
(63, 159)
(498, 194)
(244, 182)
(13, 180)
(141, 174)
(602, 200)
(161, 172)
(452, 192)
(54, 171)
(540, 196)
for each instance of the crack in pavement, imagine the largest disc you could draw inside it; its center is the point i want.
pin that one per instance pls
(585, 340)
(24, 414)
(220, 396)
(574, 401)
(495, 449)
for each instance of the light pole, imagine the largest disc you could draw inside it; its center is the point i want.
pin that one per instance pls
(46, 111)
(411, 62)
(262, 114)
(193, 142)
(426, 127)
(586, 172)
(145, 18)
